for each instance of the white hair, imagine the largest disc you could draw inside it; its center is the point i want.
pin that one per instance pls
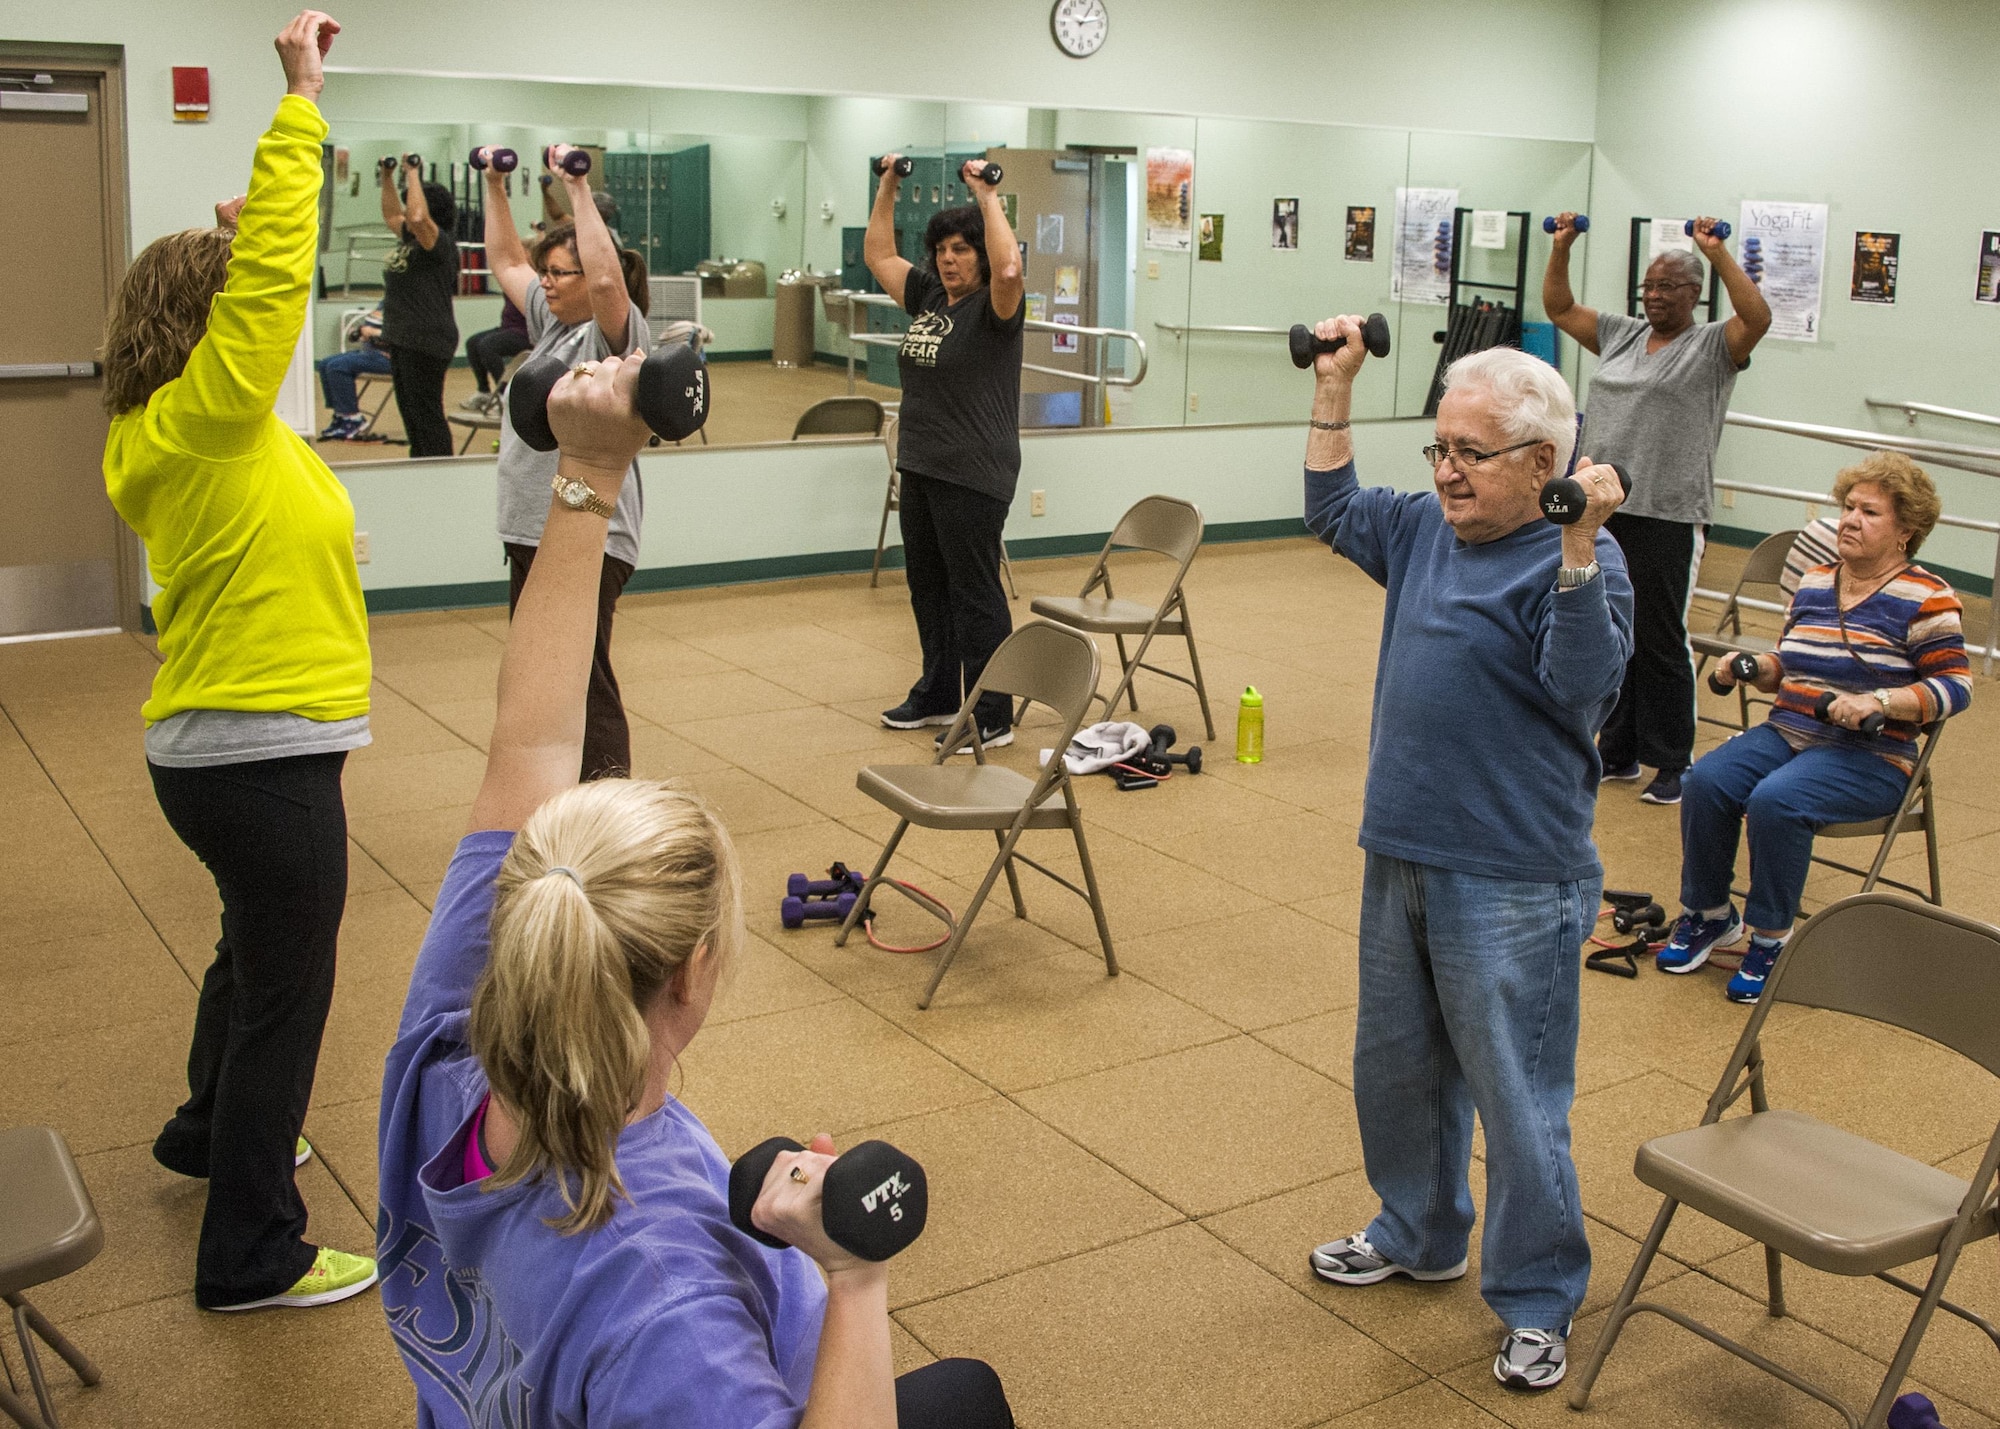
(1685, 265)
(1533, 400)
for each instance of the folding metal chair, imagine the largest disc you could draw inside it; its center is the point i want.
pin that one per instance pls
(1764, 567)
(841, 417)
(892, 500)
(1823, 1196)
(1917, 812)
(49, 1229)
(1169, 527)
(1047, 663)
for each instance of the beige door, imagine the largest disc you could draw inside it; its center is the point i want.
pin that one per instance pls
(66, 561)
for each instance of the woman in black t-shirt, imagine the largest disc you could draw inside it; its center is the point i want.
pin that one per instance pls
(419, 279)
(959, 447)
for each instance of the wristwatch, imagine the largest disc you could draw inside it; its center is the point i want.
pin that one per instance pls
(1882, 699)
(1570, 577)
(578, 496)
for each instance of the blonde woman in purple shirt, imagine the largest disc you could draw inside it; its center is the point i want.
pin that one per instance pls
(556, 1248)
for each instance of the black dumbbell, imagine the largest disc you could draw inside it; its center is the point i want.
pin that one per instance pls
(904, 165)
(1743, 667)
(672, 396)
(1581, 223)
(572, 161)
(386, 164)
(501, 161)
(1643, 920)
(1721, 229)
(1163, 741)
(988, 173)
(1563, 500)
(873, 1202)
(1305, 347)
(1871, 724)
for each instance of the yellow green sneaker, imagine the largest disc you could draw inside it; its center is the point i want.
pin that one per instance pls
(335, 1275)
(302, 1153)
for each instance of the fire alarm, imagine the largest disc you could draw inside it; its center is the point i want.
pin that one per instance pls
(190, 94)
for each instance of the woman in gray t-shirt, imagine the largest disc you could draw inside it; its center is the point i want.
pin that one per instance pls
(585, 298)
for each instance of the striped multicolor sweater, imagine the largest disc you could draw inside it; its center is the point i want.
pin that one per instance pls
(1905, 636)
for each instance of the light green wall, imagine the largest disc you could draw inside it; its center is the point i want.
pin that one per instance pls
(1883, 113)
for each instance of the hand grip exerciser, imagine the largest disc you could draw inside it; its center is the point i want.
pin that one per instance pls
(1871, 724)
(1563, 499)
(672, 396)
(1305, 346)
(1743, 667)
(501, 161)
(874, 1201)
(1581, 223)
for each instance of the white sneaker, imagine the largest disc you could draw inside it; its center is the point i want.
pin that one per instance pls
(1532, 1359)
(1351, 1260)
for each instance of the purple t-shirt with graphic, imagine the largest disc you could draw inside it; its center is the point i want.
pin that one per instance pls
(665, 1315)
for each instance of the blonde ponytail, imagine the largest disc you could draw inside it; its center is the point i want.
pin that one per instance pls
(609, 889)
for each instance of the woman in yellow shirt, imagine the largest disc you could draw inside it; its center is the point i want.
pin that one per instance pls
(263, 685)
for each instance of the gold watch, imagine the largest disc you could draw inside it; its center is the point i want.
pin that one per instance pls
(578, 496)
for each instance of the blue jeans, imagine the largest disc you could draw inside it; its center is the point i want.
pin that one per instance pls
(1787, 797)
(337, 374)
(1469, 999)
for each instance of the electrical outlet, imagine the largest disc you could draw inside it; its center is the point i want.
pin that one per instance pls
(1038, 503)
(1728, 497)
(360, 548)
(1194, 401)
(1152, 267)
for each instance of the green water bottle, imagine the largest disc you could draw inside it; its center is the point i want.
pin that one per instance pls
(1250, 727)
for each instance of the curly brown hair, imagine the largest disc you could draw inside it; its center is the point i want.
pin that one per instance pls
(630, 261)
(1909, 489)
(160, 313)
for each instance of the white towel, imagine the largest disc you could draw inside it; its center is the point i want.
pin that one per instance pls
(1097, 748)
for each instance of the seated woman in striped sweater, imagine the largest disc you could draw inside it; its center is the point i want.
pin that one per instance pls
(1882, 634)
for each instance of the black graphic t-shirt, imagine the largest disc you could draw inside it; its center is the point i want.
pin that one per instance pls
(961, 368)
(417, 288)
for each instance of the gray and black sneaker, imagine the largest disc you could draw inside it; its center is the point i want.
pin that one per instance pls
(908, 716)
(991, 736)
(1351, 1260)
(1531, 1359)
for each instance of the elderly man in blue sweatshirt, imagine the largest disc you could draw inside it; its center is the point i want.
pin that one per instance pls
(1504, 644)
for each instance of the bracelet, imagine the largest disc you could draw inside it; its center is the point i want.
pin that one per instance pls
(1330, 426)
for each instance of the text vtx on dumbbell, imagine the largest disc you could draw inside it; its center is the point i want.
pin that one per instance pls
(892, 1191)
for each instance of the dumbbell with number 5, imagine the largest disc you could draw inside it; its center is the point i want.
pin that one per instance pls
(874, 1199)
(1742, 669)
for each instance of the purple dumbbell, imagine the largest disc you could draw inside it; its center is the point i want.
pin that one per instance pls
(794, 912)
(844, 880)
(501, 161)
(572, 161)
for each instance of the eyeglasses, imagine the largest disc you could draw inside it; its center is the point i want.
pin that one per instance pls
(1651, 289)
(562, 272)
(1466, 458)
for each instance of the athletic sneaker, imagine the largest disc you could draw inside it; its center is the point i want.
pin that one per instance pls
(1748, 983)
(335, 1275)
(990, 737)
(1351, 1260)
(1531, 1359)
(480, 402)
(1694, 938)
(1665, 788)
(344, 428)
(1624, 774)
(906, 716)
(302, 1153)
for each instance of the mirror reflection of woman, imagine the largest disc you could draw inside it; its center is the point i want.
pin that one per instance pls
(585, 298)
(959, 445)
(419, 281)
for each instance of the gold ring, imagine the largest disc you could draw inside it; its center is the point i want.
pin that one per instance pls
(584, 369)
(798, 1174)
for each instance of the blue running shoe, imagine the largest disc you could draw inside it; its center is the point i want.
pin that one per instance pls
(1748, 984)
(1694, 938)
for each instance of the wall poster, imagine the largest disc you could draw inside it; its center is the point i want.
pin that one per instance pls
(1284, 223)
(1422, 271)
(1064, 341)
(1987, 290)
(1210, 250)
(1791, 238)
(1360, 245)
(1874, 279)
(1169, 199)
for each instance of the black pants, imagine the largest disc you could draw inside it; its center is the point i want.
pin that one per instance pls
(274, 834)
(1653, 723)
(951, 557)
(952, 1394)
(607, 738)
(419, 380)
(488, 353)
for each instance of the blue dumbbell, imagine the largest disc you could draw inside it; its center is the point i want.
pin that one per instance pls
(844, 880)
(796, 912)
(1721, 228)
(1582, 223)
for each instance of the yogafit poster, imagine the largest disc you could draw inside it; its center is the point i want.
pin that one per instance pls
(1422, 272)
(1874, 279)
(1360, 247)
(1169, 199)
(1791, 240)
